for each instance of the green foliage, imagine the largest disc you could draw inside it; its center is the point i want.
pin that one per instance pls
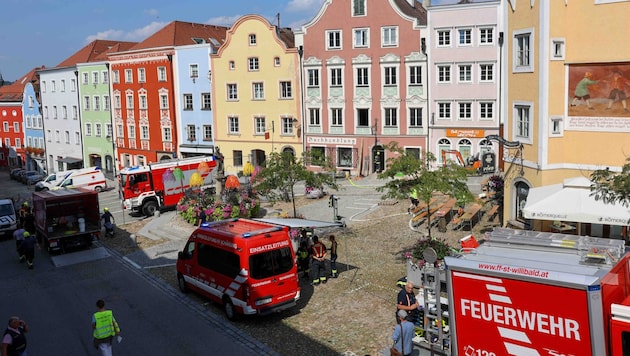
(406, 173)
(238, 205)
(440, 246)
(612, 187)
(277, 179)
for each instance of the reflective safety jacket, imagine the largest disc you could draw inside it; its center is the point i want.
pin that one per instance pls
(319, 250)
(106, 324)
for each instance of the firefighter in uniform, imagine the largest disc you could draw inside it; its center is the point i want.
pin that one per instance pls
(318, 268)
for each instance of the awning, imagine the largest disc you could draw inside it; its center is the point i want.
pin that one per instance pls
(572, 201)
(293, 222)
(70, 160)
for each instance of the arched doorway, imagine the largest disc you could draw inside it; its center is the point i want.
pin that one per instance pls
(165, 158)
(95, 160)
(378, 159)
(109, 164)
(289, 150)
(522, 190)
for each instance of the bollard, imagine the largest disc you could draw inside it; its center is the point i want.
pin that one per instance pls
(133, 242)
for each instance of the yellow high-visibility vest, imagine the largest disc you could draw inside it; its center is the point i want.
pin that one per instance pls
(106, 325)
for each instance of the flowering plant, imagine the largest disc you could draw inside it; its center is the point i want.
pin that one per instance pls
(240, 206)
(440, 246)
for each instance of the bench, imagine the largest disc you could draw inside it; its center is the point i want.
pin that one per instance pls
(419, 218)
(492, 213)
(445, 210)
(471, 217)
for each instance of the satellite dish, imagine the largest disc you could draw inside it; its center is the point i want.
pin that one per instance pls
(429, 255)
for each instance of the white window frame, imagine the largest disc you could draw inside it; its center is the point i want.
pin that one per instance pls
(447, 113)
(468, 40)
(386, 36)
(95, 78)
(193, 70)
(484, 73)
(443, 38)
(336, 117)
(517, 66)
(286, 89)
(86, 78)
(312, 78)
(516, 131)
(446, 68)
(161, 74)
(187, 102)
(486, 36)
(253, 64)
(464, 110)
(359, 8)
(556, 126)
(483, 111)
(142, 75)
(258, 91)
(465, 73)
(128, 76)
(314, 117)
(557, 49)
(252, 39)
(231, 90)
(390, 76)
(333, 39)
(415, 116)
(98, 129)
(233, 125)
(361, 37)
(131, 130)
(260, 125)
(362, 76)
(336, 77)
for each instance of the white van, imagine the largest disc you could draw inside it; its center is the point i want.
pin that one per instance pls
(51, 180)
(89, 178)
(8, 218)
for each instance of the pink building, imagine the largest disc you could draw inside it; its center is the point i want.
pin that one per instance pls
(364, 81)
(464, 80)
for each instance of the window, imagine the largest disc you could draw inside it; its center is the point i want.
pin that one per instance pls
(486, 72)
(108, 130)
(57, 136)
(276, 61)
(557, 48)
(207, 132)
(97, 103)
(53, 86)
(465, 73)
(45, 114)
(444, 73)
(391, 117)
(358, 7)
(389, 36)
(465, 37)
(231, 65)
(115, 76)
(120, 132)
(5, 126)
(443, 145)
(390, 76)
(232, 92)
(73, 84)
(142, 77)
(131, 131)
(75, 112)
(415, 75)
(94, 77)
(129, 101)
(98, 130)
(260, 126)
(286, 91)
(128, 76)
(363, 117)
(162, 74)
(117, 102)
(86, 78)
(444, 110)
(486, 110)
(194, 70)
(105, 102)
(67, 137)
(63, 85)
(188, 102)
(43, 87)
(287, 125)
(233, 125)
(362, 77)
(237, 158)
(465, 111)
(86, 103)
(415, 117)
(206, 101)
(313, 117)
(258, 91)
(486, 36)
(313, 77)
(336, 116)
(163, 101)
(252, 63)
(167, 134)
(334, 39)
(105, 77)
(556, 125)
(443, 38)
(48, 136)
(16, 127)
(335, 77)
(522, 120)
(344, 157)
(64, 112)
(523, 52)
(252, 39)
(361, 38)
(143, 101)
(191, 133)
(318, 155)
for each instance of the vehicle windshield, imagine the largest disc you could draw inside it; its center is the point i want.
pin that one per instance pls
(6, 209)
(51, 178)
(270, 263)
(123, 179)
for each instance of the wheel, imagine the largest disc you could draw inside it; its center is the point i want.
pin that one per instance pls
(181, 282)
(149, 208)
(228, 308)
(98, 189)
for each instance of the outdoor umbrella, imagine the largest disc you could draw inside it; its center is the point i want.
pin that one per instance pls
(203, 167)
(196, 180)
(231, 182)
(572, 201)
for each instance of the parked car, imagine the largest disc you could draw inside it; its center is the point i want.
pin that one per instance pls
(33, 179)
(23, 177)
(14, 173)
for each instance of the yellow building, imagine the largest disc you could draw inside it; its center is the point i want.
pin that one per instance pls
(256, 86)
(564, 99)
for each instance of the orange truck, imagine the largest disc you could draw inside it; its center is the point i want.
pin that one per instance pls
(149, 188)
(535, 293)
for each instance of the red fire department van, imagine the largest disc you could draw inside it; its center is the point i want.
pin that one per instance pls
(535, 293)
(248, 266)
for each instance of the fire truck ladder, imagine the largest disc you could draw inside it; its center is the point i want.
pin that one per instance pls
(435, 323)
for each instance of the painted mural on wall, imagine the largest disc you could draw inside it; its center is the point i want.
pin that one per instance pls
(598, 97)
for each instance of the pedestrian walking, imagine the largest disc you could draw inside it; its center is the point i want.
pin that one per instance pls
(28, 249)
(318, 268)
(104, 327)
(25, 209)
(109, 222)
(403, 334)
(14, 340)
(18, 235)
(333, 256)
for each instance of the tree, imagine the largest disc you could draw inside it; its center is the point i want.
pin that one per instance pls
(612, 187)
(277, 179)
(406, 173)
